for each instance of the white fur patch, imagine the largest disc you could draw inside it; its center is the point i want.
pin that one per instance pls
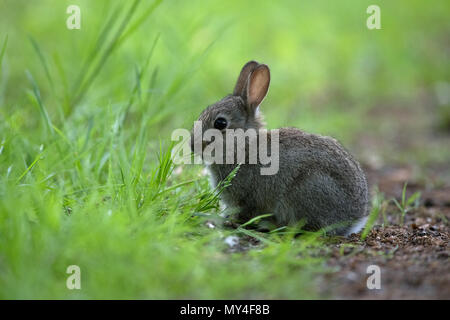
(212, 181)
(358, 226)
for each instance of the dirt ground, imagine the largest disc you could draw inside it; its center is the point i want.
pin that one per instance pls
(413, 257)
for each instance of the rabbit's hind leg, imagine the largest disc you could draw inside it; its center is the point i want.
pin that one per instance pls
(315, 199)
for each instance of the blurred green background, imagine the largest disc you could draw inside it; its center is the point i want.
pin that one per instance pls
(86, 117)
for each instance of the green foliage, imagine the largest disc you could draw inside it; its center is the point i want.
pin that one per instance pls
(379, 206)
(86, 176)
(2, 51)
(406, 204)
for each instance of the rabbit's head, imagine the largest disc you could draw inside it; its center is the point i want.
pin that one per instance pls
(239, 110)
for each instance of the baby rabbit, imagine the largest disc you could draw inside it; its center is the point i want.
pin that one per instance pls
(318, 181)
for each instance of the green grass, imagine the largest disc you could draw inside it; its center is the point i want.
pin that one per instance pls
(86, 115)
(135, 235)
(406, 204)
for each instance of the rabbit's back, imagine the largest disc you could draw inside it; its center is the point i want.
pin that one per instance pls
(324, 183)
(318, 180)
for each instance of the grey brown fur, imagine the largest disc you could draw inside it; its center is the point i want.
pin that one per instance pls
(318, 181)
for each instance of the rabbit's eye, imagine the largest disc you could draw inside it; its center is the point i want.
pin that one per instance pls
(220, 123)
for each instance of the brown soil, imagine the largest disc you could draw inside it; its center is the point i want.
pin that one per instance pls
(413, 257)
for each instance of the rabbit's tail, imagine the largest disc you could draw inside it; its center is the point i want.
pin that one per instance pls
(357, 226)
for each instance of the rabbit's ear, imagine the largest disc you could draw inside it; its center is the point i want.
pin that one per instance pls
(241, 85)
(258, 85)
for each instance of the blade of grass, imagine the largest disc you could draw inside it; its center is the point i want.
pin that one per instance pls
(404, 194)
(377, 207)
(106, 54)
(413, 198)
(109, 25)
(139, 74)
(42, 109)
(115, 43)
(139, 21)
(210, 199)
(41, 57)
(177, 186)
(38, 157)
(2, 52)
(255, 219)
(254, 235)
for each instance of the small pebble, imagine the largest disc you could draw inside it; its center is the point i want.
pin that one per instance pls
(232, 241)
(210, 225)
